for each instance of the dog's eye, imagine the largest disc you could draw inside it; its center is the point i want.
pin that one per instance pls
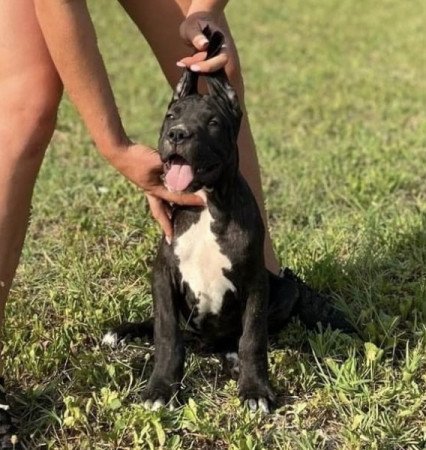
(170, 116)
(213, 123)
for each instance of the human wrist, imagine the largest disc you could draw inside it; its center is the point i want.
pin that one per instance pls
(113, 142)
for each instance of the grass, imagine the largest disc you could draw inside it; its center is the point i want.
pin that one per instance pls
(336, 94)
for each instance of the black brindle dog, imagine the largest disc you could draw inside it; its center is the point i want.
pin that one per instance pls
(212, 274)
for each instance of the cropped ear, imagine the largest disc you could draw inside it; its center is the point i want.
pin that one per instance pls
(187, 85)
(217, 82)
(219, 87)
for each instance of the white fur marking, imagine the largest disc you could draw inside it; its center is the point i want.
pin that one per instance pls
(4, 407)
(234, 363)
(110, 339)
(201, 264)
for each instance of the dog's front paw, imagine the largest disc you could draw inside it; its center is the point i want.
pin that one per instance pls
(256, 395)
(159, 393)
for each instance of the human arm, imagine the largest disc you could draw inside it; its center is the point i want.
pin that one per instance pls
(71, 39)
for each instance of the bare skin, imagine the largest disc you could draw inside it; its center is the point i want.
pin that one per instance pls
(60, 43)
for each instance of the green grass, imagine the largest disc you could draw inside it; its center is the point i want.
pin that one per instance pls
(336, 92)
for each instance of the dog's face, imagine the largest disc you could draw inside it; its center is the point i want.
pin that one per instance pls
(198, 138)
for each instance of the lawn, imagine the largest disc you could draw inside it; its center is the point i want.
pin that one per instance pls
(336, 92)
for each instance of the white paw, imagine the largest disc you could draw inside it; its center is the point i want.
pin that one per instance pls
(110, 339)
(233, 364)
(261, 405)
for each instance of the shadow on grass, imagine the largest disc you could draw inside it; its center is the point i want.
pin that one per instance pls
(383, 290)
(38, 411)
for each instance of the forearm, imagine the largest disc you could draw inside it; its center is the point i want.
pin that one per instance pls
(71, 39)
(211, 6)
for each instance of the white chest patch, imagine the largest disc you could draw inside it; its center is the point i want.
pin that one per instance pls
(201, 264)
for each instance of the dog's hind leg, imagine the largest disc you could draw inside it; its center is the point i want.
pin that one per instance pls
(129, 331)
(291, 296)
(283, 296)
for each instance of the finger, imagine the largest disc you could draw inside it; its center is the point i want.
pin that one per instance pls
(211, 65)
(199, 41)
(191, 32)
(178, 198)
(194, 59)
(168, 210)
(159, 213)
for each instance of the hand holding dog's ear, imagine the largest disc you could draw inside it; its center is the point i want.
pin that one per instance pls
(191, 31)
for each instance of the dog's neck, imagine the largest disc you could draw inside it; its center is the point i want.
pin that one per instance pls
(223, 197)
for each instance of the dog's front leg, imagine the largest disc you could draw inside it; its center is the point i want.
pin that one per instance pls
(169, 350)
(253, 383)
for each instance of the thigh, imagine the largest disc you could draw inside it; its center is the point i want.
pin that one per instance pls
(21, 42)
(159, 22)
(28, 77)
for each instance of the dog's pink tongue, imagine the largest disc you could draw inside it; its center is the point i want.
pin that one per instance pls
(179, 175)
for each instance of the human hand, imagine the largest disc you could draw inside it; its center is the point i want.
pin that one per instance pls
(191, 31)
(142, 165)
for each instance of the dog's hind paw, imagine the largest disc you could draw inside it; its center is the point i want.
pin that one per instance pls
(156, 405)
(128, 331)
(231, 364)
(110, 339)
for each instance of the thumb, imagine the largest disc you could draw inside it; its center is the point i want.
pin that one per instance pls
(191, 32)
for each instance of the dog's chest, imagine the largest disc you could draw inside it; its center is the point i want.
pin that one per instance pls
(202, 264)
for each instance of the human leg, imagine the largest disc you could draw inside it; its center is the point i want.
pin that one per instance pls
(30, 92)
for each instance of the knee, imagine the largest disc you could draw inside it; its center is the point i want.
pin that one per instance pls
(31, 102)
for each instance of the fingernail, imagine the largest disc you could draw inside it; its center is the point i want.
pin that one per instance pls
(203, 41)
(169, 240)
(180, 64)
(195, 68)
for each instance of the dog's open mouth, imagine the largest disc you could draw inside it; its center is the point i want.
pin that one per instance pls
(178, 173)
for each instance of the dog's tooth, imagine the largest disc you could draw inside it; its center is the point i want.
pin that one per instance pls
(263, 405)
(110, 339)
(159, 403)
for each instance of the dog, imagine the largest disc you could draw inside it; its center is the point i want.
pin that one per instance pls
(212, 274)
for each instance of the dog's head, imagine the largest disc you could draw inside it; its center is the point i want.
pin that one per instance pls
(198, 139)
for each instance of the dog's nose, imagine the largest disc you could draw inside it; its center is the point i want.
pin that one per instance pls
(178, 134)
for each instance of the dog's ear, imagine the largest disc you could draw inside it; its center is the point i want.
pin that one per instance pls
(217, 82)
(187, 85)
(220, 87)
